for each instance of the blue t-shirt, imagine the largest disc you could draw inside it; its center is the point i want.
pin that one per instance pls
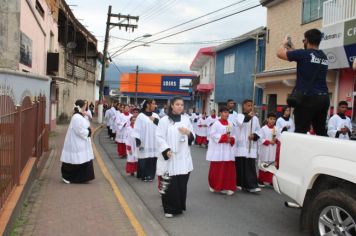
(308, 62)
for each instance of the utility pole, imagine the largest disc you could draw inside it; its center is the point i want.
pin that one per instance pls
(110, 25)
(136, 84)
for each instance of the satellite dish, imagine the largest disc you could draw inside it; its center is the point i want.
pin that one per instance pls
(71, 45)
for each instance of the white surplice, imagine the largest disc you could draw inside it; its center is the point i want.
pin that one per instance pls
(130, 141)
(168, 136)
(122, 122)
(77, 147)
(219, 151)
(267, 153)
(289, 124)
(202, 127)
(243, 131)
(145, 131)
(336, 123)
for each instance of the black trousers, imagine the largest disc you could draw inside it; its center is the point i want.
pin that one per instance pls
(246, 175)
(109, 131)
(147, 168)
(174, 199)
(312, 111)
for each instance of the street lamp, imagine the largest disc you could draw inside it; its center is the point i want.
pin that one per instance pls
(143, 36)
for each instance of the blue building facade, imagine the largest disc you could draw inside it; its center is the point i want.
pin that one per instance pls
(235, 65)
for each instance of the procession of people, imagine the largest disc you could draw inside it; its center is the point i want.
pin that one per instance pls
(159, 145)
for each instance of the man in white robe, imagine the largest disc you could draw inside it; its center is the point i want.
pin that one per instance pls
(248, 126)
(340, 125)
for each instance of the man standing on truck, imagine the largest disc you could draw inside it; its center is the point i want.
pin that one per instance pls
(312, 67)
(339, 125)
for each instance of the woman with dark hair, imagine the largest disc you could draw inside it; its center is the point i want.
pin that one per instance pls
(174, 136)
(77, 154)
(285, 123)
(144, 133)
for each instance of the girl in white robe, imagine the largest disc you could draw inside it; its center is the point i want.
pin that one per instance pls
(77, 154)
(131, 161)
(145, 134)
(174, 136)
(269, 135)
(122, 123)
(222, 172)
(246, 148)
(112, 118)
(285, 122)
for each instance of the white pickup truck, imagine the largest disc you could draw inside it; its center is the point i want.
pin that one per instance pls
(319, 174)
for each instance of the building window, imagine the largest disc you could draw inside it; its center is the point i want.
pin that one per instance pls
(312, 10)
(39, 8)
(229, 64)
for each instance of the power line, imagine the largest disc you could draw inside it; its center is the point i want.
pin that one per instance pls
(192, 28)
(178, 43)
(154, 8)
(192, 20)
(197, 18)
(159, 11)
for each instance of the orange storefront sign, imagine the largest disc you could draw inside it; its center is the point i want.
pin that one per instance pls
(146, 83)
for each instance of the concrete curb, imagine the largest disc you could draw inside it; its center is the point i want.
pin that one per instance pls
(142, 217)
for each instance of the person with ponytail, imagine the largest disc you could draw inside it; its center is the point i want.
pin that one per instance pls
(174, 135)
(144, 133)
(77, 154)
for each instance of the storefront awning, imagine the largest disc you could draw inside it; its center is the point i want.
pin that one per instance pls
(205, 88)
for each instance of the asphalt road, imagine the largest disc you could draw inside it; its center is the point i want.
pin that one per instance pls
(209, 213)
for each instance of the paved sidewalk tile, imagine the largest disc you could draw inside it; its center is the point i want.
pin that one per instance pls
(55, 208)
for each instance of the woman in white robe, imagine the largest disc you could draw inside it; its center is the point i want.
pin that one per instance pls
(145, 134)
(174, 136)
(222, 172)
(285, 122)
(77, 154)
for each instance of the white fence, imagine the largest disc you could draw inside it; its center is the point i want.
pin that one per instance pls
(336, 11)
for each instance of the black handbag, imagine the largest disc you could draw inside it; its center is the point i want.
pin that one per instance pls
(296, 98)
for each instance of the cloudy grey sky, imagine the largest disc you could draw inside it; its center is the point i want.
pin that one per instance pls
(158, 15)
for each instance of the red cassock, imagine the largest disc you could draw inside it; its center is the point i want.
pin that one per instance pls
(222, 175)
(121, 149)
(201, 140)
(131, 167)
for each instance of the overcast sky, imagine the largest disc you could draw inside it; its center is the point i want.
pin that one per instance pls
(158, 15)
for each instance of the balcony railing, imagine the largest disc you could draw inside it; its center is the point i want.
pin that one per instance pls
(337, 11)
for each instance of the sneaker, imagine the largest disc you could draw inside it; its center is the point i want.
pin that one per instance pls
(65, 181)
(229, 192)
(254, 190)
(238, 187)
(261, 185)
(167, 215)
(211, 189)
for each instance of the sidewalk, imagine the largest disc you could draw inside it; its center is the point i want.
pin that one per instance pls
(54, 208)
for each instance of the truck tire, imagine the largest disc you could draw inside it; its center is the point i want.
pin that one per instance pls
(333, 212)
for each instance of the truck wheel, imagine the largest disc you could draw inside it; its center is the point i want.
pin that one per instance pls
(334, 213)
